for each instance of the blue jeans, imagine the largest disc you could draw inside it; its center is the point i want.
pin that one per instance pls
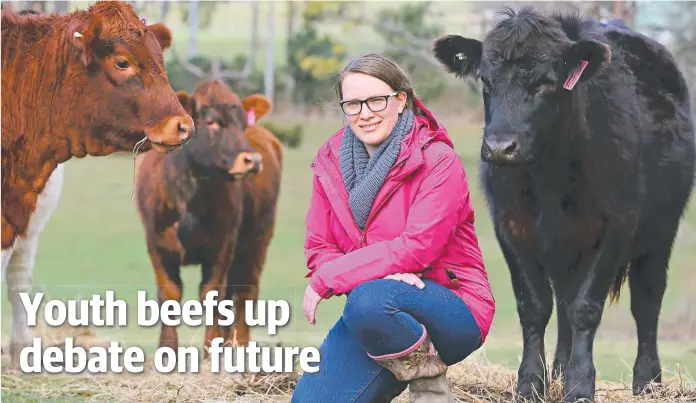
(384, 317)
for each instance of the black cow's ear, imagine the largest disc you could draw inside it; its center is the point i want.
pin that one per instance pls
(460, 56)
(584, 60)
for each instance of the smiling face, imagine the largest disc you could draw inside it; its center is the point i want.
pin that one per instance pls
(372, 120)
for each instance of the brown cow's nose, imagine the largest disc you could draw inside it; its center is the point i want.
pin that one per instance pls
(171, 132)
(247, 163)
(185, 131)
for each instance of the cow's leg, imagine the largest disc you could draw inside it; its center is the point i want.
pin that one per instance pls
(211, 281)
(165, 257)
(534, 307)
(595, 275)
(648, 280)
(6, 255)
(565, 338)
(20, 267)
(215, 279)
(244, 277)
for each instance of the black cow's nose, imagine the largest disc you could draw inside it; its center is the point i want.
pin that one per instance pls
(500, 149)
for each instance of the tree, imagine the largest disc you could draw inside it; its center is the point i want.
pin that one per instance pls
(314, 59)
(408, 32)
(204, 12)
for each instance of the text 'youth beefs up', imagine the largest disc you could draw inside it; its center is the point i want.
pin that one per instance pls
(109, 311)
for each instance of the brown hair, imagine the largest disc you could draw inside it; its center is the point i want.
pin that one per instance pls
(381, 68)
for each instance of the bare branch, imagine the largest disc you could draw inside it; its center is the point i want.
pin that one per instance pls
(190, 67)
(216, 73)
(419, 53)
(391, 28)
(415, 46)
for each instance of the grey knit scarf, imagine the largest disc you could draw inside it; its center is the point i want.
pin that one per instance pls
(364, 176)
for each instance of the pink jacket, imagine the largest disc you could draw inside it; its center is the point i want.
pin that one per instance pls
(421, 221)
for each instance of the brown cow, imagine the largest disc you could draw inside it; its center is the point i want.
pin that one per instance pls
(86, 83)
(213, 203)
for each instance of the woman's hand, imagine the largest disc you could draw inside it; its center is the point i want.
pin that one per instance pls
(410, 278)
(310, 303)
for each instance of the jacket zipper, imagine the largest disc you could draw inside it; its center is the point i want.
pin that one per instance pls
(379, 207)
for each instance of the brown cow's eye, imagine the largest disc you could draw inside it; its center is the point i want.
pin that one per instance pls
(122, 64)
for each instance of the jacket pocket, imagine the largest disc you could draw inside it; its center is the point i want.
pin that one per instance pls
(442, 276)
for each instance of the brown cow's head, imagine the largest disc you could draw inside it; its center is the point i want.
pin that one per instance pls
(118, 73)
(221, 147)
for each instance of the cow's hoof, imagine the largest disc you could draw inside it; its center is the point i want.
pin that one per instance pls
(582, 392)
(533, 398)
(530, 389)
(645, 387)
(579, 384)
(647, 375)
(577, 399)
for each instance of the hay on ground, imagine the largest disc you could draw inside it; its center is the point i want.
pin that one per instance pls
(471, 381)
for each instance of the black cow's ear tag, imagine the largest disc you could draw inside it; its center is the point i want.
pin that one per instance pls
(575, 76)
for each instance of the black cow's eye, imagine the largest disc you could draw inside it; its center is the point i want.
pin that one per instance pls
(545, 86)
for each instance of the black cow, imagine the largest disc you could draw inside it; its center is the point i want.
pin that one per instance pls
(586, 184)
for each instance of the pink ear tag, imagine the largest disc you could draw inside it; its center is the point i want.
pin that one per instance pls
(251, 117)
(573, 78)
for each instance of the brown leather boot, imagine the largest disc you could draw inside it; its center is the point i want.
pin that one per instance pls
(424, 370)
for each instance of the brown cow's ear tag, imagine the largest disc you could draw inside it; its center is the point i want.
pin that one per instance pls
(575, 76)
(251, 117)
(257, 103)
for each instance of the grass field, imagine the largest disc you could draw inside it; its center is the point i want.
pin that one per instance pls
(94, 243)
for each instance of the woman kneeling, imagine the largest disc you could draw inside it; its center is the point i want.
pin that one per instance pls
(390, 224)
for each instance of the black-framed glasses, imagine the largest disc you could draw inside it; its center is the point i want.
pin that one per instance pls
(375, 104)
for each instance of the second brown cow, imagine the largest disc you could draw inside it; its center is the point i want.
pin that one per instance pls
(213, 204)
